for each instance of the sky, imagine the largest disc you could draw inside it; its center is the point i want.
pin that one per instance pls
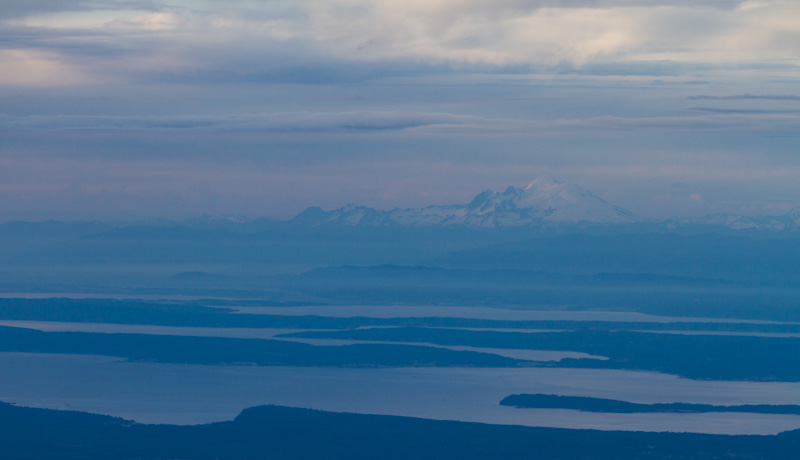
(139, 109)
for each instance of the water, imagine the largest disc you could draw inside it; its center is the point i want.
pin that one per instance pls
(493, 313)
(102, 295)
(268, 333)
(524, 354)
(110, 328)
(191, 394)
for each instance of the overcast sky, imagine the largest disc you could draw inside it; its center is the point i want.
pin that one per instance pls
(134, 109)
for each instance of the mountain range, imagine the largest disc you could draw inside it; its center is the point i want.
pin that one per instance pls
(546, 226)
(789, 221)
(545, 202)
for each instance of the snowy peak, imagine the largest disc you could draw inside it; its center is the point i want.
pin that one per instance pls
(543, 183)
(545, 201)
(350, 215)
(793, 217)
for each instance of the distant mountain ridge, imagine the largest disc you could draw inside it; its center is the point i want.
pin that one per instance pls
(788, 221)
(543, 201)
(545, 205)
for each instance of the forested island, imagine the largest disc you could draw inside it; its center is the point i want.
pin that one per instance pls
(587, 404)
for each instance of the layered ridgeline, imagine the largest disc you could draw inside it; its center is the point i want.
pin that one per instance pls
(543, 201)
(550, 226)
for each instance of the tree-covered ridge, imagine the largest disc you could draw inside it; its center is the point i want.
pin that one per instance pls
(721, 357)
(219, 350)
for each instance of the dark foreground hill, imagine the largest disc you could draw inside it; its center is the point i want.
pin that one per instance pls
(288, 433)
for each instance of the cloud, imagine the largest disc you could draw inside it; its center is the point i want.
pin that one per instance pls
(756, 122)
(412, 124)
(22, 8)
(741, 111)
(25, 67)
(164, 96)
(736, 97)
(285, 122)
(13, 11)
(245, 39)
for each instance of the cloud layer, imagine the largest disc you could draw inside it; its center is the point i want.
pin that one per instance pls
(123, 40)
(265, 107)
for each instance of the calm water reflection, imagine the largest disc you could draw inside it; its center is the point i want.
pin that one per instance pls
(188, 394)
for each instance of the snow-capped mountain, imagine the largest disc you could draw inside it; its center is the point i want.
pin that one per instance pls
(543, 201)
(789, 221)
